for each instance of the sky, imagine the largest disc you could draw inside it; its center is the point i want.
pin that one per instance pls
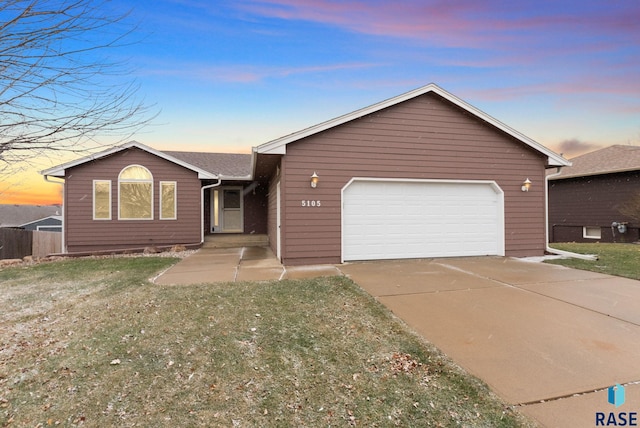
(227, 75)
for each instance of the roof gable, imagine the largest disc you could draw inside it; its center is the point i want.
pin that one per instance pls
(17, 215)
(57, 218)
(206, 165)
(612, 159)
(278, 146)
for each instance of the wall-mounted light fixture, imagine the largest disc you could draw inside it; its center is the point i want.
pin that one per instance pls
(314, 180)
(526, 185)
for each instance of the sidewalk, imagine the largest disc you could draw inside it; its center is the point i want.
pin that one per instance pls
(237, 264)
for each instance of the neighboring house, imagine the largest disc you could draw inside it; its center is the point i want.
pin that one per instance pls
(423, 174)
(587, 200)
(30, 216)
(52, 223)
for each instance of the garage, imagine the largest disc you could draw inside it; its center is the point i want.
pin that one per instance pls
(400, 219)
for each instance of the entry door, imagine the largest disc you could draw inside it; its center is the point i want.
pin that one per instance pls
(226, 210)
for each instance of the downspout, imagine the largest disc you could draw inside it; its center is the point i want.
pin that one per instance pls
(548, 249)
(210, 186)
(63, 246)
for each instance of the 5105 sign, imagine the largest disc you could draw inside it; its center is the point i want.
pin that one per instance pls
(310, 204)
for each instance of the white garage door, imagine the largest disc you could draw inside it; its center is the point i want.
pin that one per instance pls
(392, 219)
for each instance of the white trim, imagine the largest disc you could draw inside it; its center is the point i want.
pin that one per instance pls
(93, 205)
(496, 188)
(278, 222)
(55, 217)
(202, 215)
(278, 146)
(221, 226)
(136, 181)
(50, 226)
(59, 171)
(175, 201)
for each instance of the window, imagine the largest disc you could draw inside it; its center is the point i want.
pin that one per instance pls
(135, 193)
(102, 199)
(591, 232)
(168, 200)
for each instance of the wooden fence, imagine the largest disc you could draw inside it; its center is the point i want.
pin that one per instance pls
(45, 243)
(18, 243)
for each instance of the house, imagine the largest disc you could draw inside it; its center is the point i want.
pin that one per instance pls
(593, 200)
(31, 217)
(52, 223)
(423, 174)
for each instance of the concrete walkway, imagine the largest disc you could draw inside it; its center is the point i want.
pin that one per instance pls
(209, 265)
(545, 338)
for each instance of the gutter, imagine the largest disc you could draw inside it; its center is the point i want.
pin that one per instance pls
(63, 247)
(202, 189)
(548, 249)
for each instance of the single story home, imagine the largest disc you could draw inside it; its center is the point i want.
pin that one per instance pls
(597, 198)
(52, 223)
(420, 175)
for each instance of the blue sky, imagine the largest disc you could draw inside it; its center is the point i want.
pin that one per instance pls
(229, 75)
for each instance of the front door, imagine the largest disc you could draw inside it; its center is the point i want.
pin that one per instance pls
(226, 210)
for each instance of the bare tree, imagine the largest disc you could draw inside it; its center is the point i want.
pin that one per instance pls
(631, 208)
(59, 88)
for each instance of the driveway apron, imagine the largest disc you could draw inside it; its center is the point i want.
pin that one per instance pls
(535, 333)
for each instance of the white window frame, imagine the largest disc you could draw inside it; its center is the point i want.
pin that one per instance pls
(51, 226)
(587, 235)
(175, 200)
(135, 181)
(94, 200)
(217, 210)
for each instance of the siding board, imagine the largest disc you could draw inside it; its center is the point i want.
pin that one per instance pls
(423, 138)
(85, 234)
(592, 201)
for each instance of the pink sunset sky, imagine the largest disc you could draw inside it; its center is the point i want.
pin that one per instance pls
(229, 75)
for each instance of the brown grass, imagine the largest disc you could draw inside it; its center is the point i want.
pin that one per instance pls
(93, 343)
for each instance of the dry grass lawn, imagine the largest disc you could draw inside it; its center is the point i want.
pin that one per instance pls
(91, 342)
(613, 259)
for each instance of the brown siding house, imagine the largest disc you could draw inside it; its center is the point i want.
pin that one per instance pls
(587, 199)
(87, 234)
(426, 137)
(420, 175)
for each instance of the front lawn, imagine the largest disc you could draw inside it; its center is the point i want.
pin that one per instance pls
(92, 342)
(613, 259)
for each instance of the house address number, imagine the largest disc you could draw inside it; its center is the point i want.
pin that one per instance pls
(312, 204)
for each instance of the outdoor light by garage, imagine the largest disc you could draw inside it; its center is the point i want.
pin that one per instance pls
(526, 185)
(314, 180)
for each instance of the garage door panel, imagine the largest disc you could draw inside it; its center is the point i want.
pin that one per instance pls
(413, 219)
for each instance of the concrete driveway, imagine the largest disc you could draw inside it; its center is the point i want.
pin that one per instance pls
(547, 338)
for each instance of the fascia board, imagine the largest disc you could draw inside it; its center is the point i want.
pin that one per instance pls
(59, 171)
(278, 146)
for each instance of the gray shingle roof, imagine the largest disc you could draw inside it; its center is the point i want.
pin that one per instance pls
(611, 159)
(224, 164)
(16, 215)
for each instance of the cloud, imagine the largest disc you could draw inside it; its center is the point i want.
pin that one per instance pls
(574, 147)
(238, 73)
(468, 23)
(415, 20)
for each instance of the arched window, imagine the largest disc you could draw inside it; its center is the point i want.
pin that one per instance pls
(135, 189)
